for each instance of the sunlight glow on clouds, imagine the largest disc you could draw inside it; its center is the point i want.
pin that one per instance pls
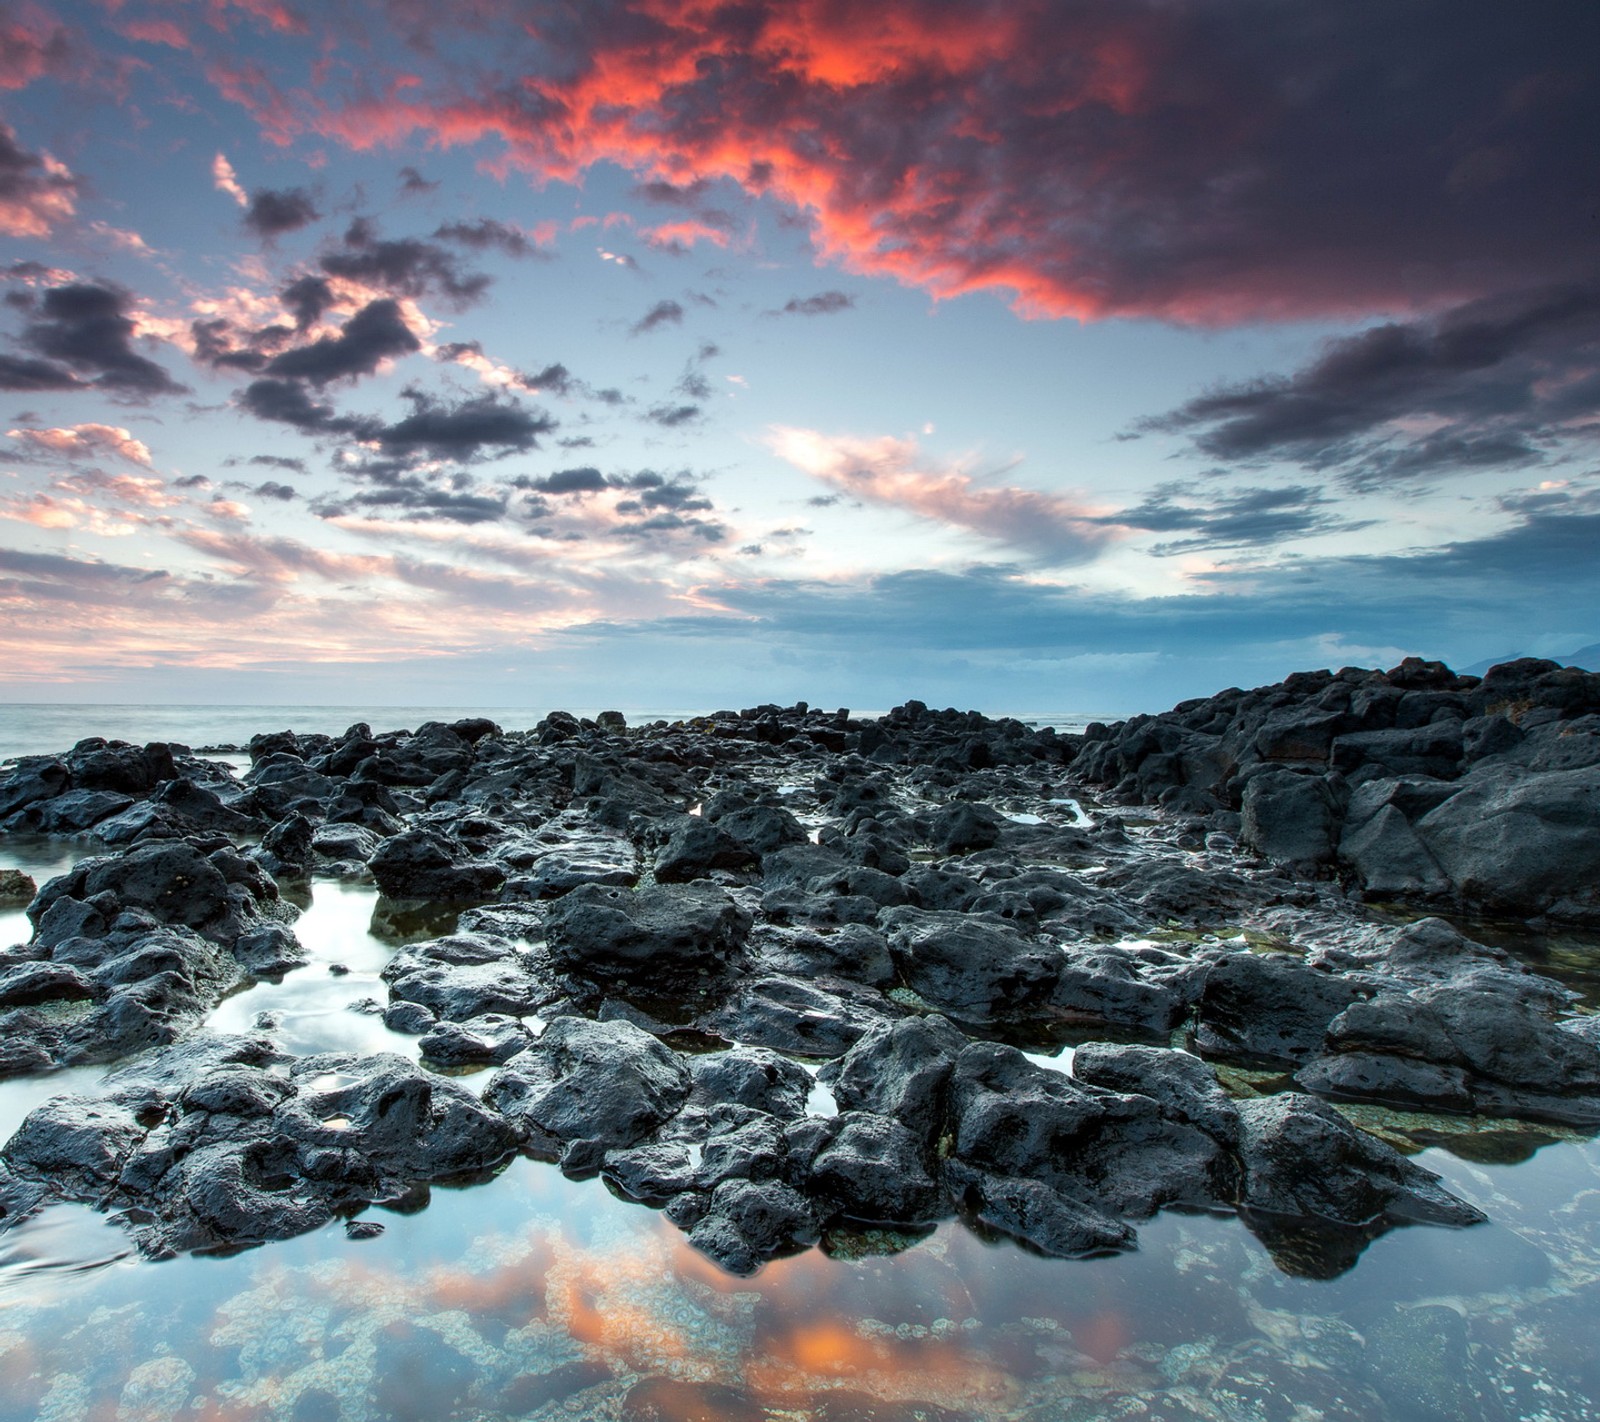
(895, 472)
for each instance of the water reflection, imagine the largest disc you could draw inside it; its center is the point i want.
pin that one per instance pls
(315, 1008)
(535, 1297)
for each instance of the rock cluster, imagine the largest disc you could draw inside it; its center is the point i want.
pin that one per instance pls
(781, 971)
(1417, 784)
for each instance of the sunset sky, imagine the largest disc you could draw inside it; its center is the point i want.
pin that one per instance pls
(1019, 354)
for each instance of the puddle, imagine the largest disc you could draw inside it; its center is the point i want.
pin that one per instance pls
(312, 1009)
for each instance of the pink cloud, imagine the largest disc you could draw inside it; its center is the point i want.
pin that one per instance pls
(80, 441)
(895, 473)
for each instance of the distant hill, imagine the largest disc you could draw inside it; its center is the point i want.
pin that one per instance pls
(1585, 657)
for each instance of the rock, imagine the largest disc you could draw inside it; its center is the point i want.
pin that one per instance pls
(1048, 1220)
(751, 1221)
(1183, 1086)
(656, 934)
(900, 1070)
(73, 1143)
(791, 1016)
(595, 1084)
(72, 812)
(971, 970)
(696, 848)
(1290, 818)
(1116, 1151)
(1270, 1010)
(1303, 1160)
(427, 864)
(16, 889)
(755, 1077)
(872, 1170)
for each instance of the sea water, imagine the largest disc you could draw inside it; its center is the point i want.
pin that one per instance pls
(535, 1297)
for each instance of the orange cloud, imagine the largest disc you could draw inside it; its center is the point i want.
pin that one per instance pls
(1208, 162)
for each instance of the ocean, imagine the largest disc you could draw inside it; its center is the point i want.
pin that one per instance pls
(37, 728)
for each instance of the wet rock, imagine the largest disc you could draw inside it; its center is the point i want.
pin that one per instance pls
(16, 889)
(748, 1222)
(73, 1144)
(593, 1084)
(792, 1016)
(1117, 1151)
(218, 894)
(971, 970)
(697, 848)
(1048, 1220)
(1303, 1160)
(872, 1169)
(755, 1077)
(288, 849)
(656, 934)
(428, 864)
(1116, 988)
(1269, 1009)
(1184, 1087)
(70, 813)
(900, 1070)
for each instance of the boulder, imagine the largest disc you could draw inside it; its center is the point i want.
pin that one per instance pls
(656, 934)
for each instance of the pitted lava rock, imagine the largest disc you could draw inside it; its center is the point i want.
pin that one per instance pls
(781, 970)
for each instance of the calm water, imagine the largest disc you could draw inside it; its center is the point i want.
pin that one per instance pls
(534, 1297)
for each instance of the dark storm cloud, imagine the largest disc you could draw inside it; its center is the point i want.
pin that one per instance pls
(585, 480)
(1501, 381)
(412, 182)
(405, 267)
(486, 233)
(663, 313)
(87, 328)
(286, 402)
(1244, 518)
(272, 489)
(555, 377)
(478, 428)
(1209, 161)
(376, 333)
(416, 498)
(278, 461)
(33, 375)
(824, 303)
(306, 298)
(273, 213)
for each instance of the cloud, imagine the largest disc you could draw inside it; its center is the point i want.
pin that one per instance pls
(86, 329)
(671, 417)
(487, 233)
(83, 441)
(483, 427)
(376, 333)
(585, 480)
(273, 213)
(663, 313)
(37, 193)
(412, 182)
(35, 375)
(1493, 383)
(1207, 162)
(824, 303)
(225, 180)
(1244, 518)
(404, 267)
(272, 489)
(285, 402)
(306, 298)
(894, 472)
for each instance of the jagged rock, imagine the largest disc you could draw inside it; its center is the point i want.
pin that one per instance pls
(590, 1084)
(427, 864)
(971, 970)
(655, 934)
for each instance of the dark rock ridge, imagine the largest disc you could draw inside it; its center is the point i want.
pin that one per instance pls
(1415, 784)
(786, 973)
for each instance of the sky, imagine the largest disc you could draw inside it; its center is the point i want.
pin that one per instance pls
(1024, 355)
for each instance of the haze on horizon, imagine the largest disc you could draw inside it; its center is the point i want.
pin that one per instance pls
(1017, 354)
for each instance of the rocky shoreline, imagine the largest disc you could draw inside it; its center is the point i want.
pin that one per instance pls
(779, 971)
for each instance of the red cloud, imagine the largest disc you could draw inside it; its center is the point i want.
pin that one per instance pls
(1195, 160)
